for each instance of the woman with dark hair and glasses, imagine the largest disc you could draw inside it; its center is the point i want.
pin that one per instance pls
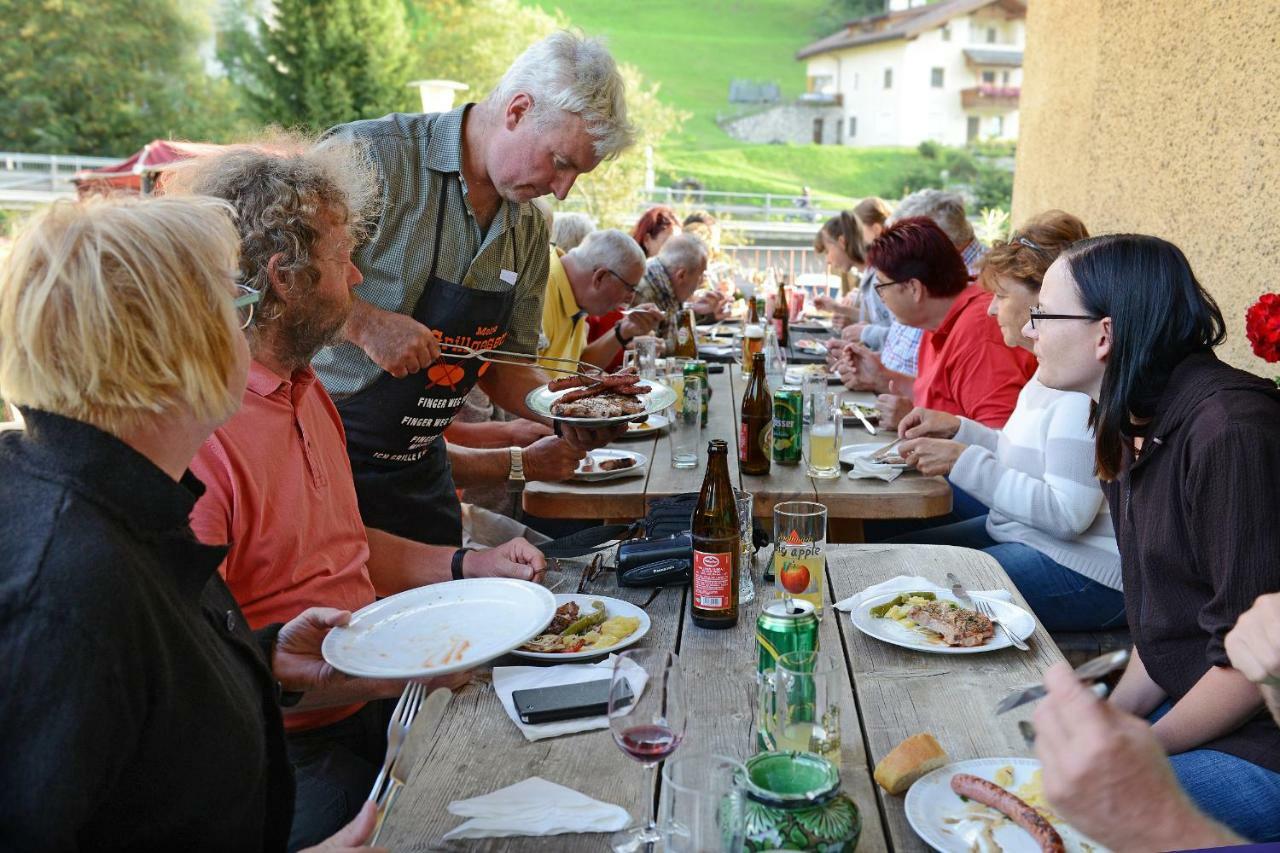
(1048, 523)
(1189, 454)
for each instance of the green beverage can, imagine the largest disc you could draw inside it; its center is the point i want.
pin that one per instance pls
(788, 421)
(779, 631)
(697, 367)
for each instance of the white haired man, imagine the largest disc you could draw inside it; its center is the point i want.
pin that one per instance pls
(671, 278)
(459, 256)
(599, 276)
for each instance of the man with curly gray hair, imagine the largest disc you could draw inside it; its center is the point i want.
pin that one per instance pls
(459, 257)
(279, 491)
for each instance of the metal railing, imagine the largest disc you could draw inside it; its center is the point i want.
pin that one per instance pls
(35, 178)
(762, 207)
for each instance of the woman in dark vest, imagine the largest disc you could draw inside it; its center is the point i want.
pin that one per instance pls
(1188, 449)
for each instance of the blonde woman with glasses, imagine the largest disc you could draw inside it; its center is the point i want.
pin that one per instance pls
(139, 710)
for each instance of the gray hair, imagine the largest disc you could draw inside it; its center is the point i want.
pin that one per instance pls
(574, 74)
(683, 251)
(571, 229)
(944, 208)
(280, 192)
(611, 250)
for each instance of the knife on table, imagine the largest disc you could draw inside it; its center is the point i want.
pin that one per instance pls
(857, 412)
(415, 743)
(1087, 671)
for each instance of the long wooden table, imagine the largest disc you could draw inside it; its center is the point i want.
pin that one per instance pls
(891, 693)
(848, 501)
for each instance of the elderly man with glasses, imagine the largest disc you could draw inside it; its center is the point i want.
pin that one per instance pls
(598, 276)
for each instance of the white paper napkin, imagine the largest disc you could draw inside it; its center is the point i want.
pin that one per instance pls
(508, 679)
(534, 807)
(864, 467)
(903, 583)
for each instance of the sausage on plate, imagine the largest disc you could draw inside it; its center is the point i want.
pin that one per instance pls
(1012, 807)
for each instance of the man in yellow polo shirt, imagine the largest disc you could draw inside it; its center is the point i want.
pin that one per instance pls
(598, 276)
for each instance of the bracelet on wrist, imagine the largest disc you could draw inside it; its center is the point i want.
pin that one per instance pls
(455, 565)
(617, 333)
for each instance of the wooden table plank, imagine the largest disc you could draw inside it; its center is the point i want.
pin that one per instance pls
(477, 749)
(720, 666)
(902, 692)
(623, 498)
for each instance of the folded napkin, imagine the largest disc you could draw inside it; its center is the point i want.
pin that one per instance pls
(534, 807)
(508, 679)
(864, 467)
(903, 583)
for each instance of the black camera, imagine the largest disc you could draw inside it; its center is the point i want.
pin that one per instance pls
(662, 561)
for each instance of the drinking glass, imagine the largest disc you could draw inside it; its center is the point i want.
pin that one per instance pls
(648, 728)
(647, 356)
(704, 805)
(806, 715)
(822, 437)
(814, 383)
(799, 550)
(747, 547)
(686, 424)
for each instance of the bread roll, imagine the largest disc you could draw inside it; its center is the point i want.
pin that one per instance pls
(908, 761)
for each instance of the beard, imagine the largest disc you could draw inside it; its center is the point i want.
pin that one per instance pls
(311, 326)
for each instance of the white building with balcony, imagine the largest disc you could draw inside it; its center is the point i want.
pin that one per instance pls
(950, 72)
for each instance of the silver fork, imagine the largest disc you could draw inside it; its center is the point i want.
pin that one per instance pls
(985, 609)
(401, 718)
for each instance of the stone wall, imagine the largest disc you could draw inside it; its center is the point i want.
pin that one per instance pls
(791, 123)
(1161, 118)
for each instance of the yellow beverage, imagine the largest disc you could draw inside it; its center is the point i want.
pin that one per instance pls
(810, 737)
(676, 380)
(752, 343)
(823, 450)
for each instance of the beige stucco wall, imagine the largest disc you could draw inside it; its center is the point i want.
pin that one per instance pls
(1162, 117)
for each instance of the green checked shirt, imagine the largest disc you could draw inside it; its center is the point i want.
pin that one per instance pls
(415, 154)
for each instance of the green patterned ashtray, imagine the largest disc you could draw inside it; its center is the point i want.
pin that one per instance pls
(794, 803)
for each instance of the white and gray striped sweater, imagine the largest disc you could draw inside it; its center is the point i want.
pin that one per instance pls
(1037, 476)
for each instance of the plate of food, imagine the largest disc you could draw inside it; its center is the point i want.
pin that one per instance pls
(994, 804)
(850, 410)
(933, 621)
(586, 626)
(852, 451)
(591, 402)
(609, 464)
(810, 346)
(797, 375)
(439, 628)
(651, 425)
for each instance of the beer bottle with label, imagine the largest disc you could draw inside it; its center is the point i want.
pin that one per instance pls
(755, 436)
(782, 315)
(686, 334)
(716, 551)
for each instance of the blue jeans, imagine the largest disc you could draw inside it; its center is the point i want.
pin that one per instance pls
(1063, 600)
(963, 507)
(1232, 791)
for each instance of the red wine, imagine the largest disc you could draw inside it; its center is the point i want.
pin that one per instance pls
(647, 744)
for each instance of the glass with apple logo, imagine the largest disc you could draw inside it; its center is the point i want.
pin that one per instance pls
(799, 550)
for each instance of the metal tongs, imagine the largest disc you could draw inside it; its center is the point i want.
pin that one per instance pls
(520, 359)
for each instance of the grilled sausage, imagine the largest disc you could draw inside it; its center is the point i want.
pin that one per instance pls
(569, 382)
(1009, 804)
(581, 393)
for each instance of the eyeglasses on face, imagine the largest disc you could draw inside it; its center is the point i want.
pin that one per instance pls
(245, 300)
(879, 285)
(1038, 315)
(631, 288)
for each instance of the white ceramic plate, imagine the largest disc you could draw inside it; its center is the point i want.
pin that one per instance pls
(596, 474)
(612, 607)
(440, 628)
(658, 398)
(654, 425)
(850, 451)
(931, 802)
(1017, 620)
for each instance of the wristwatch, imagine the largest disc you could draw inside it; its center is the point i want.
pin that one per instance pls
(617, 333)
(516, 474)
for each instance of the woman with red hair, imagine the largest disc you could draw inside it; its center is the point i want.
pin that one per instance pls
(654, 227)
(965, 367)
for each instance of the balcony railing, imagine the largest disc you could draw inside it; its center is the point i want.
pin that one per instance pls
(992, 97)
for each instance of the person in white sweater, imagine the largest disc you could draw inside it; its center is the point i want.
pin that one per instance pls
(1048, 524)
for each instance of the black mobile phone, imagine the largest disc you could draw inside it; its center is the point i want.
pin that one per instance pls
(565, 701)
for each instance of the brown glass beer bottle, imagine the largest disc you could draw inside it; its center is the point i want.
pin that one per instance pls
(755, 433)
(714, 602)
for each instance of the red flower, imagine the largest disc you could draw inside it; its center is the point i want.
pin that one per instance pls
(1262, 325)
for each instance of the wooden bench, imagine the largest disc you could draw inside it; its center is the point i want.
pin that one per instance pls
(1079, 646)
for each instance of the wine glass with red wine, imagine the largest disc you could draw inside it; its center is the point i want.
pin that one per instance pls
(649, 728)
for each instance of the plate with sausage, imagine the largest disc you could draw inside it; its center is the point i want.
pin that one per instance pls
(609, 464)
(990, 804)
(596, 401)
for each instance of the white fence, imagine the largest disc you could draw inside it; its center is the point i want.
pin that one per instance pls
(31, 179)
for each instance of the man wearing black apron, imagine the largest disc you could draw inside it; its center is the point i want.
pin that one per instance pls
(459, 256)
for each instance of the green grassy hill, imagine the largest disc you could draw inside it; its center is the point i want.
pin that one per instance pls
(693, 50)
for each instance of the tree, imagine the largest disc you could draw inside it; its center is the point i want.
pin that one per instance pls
(475, 41)
(839, 12)
(106, 76)
(317, 63)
